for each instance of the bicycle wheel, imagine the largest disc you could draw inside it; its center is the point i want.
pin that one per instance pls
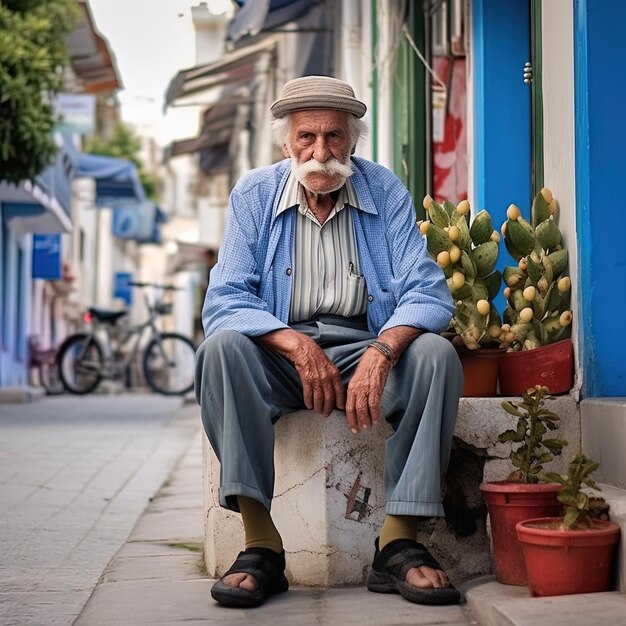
(169, 363)
(80, 363)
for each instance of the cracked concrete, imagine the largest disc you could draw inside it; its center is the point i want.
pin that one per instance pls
(318, 462)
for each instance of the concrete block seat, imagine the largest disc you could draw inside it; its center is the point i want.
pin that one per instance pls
(329, 501)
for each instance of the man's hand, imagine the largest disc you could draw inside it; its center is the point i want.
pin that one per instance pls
(322, 388)
(365, 389)
(369, 380)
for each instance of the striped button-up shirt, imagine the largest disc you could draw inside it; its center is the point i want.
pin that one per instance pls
(327, 276)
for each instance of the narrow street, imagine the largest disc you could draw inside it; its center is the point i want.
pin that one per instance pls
(75, 475)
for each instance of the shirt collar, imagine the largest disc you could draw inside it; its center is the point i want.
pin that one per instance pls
(293, 196)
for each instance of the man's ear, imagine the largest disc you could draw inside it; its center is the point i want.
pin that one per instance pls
(286, 152)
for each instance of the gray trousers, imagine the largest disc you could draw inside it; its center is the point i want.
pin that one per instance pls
(243, 388)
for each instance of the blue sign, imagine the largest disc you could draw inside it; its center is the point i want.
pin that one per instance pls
(122, 288)
(125, 222)
(47, 257)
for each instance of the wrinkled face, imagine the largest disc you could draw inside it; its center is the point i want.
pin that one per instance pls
(319, 147)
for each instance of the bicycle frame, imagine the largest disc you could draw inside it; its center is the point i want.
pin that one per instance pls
(119, 353)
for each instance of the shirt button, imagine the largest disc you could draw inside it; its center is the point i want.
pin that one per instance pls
(370, 298)
(288, 272)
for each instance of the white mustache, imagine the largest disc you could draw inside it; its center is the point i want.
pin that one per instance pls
(332, 167)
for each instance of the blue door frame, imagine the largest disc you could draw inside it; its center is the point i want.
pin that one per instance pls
(600, 136)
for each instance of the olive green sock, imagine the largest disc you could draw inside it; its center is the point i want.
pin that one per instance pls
(258, 526)
(397, 527)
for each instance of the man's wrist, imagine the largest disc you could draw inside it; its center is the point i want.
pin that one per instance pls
(386, 350)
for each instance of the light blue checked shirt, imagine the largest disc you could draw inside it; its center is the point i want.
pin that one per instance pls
(250, 287)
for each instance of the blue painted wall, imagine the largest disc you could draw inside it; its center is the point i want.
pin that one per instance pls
(15, 290)
(502, 124)
(600, 79)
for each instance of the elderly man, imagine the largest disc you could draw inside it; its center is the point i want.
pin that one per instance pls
(324, 297)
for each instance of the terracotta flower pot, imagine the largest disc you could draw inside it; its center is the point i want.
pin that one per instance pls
(480, 369)
(508, 504)
(561, 562)
(551, 365)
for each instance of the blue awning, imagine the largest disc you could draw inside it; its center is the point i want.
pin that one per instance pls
(255, 16)
(44, 204)
(117, 180)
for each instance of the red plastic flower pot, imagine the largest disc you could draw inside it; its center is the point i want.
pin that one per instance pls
(562, 562)
(551, 366)
(510, 503)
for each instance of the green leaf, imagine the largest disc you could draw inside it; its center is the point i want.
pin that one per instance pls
(582, 501)
(511, 408)
(508, 435)
(571, 517)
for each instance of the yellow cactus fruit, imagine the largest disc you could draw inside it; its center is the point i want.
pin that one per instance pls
(454, 233)
(483, 307)
(508, 337)
(503, 229)
(525, 315)
(455, 254)
(458, 279)
(494, 331)
(426, 202)
(443, 258)
(513, 280)
(552, 206)
(463, 207)
(547, 195)
(495, 236)
(564, 284)
(506, 327)
(529, 293)
(566, 318)
(424, 226)
(523, 264)
(513, 212)
(507, 292)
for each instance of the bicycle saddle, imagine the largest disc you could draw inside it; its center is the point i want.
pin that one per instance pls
(106, 315)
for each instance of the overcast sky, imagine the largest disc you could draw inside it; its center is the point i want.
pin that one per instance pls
(151, 40)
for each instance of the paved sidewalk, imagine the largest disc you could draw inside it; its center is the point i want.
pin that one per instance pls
(157, 577)
(76, 473)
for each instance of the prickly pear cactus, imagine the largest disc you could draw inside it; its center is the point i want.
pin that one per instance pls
(467, 254)
(538, 295)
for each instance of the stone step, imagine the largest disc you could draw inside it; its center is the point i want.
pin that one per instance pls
(493, 604)
(20, 395)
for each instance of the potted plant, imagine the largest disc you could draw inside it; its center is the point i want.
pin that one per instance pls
(537, 319)
(521, 496)
(467, 253)
(573, 553)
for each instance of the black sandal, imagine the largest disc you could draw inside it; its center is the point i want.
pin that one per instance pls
(268, 569)
(391, 564)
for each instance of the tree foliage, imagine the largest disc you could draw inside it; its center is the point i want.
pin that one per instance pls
(124, 144)
(32, 55)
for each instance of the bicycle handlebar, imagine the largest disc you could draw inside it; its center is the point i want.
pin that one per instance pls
(164, 287)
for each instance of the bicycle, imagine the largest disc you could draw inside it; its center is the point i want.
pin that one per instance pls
(106, 351)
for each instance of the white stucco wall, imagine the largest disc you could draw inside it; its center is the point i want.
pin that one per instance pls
(558, 125)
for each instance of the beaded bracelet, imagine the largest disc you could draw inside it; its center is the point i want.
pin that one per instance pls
(386, 350)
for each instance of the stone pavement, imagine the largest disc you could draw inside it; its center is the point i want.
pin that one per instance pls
(75, 475)
(158, 578)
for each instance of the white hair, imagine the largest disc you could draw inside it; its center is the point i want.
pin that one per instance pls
(357, 129)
